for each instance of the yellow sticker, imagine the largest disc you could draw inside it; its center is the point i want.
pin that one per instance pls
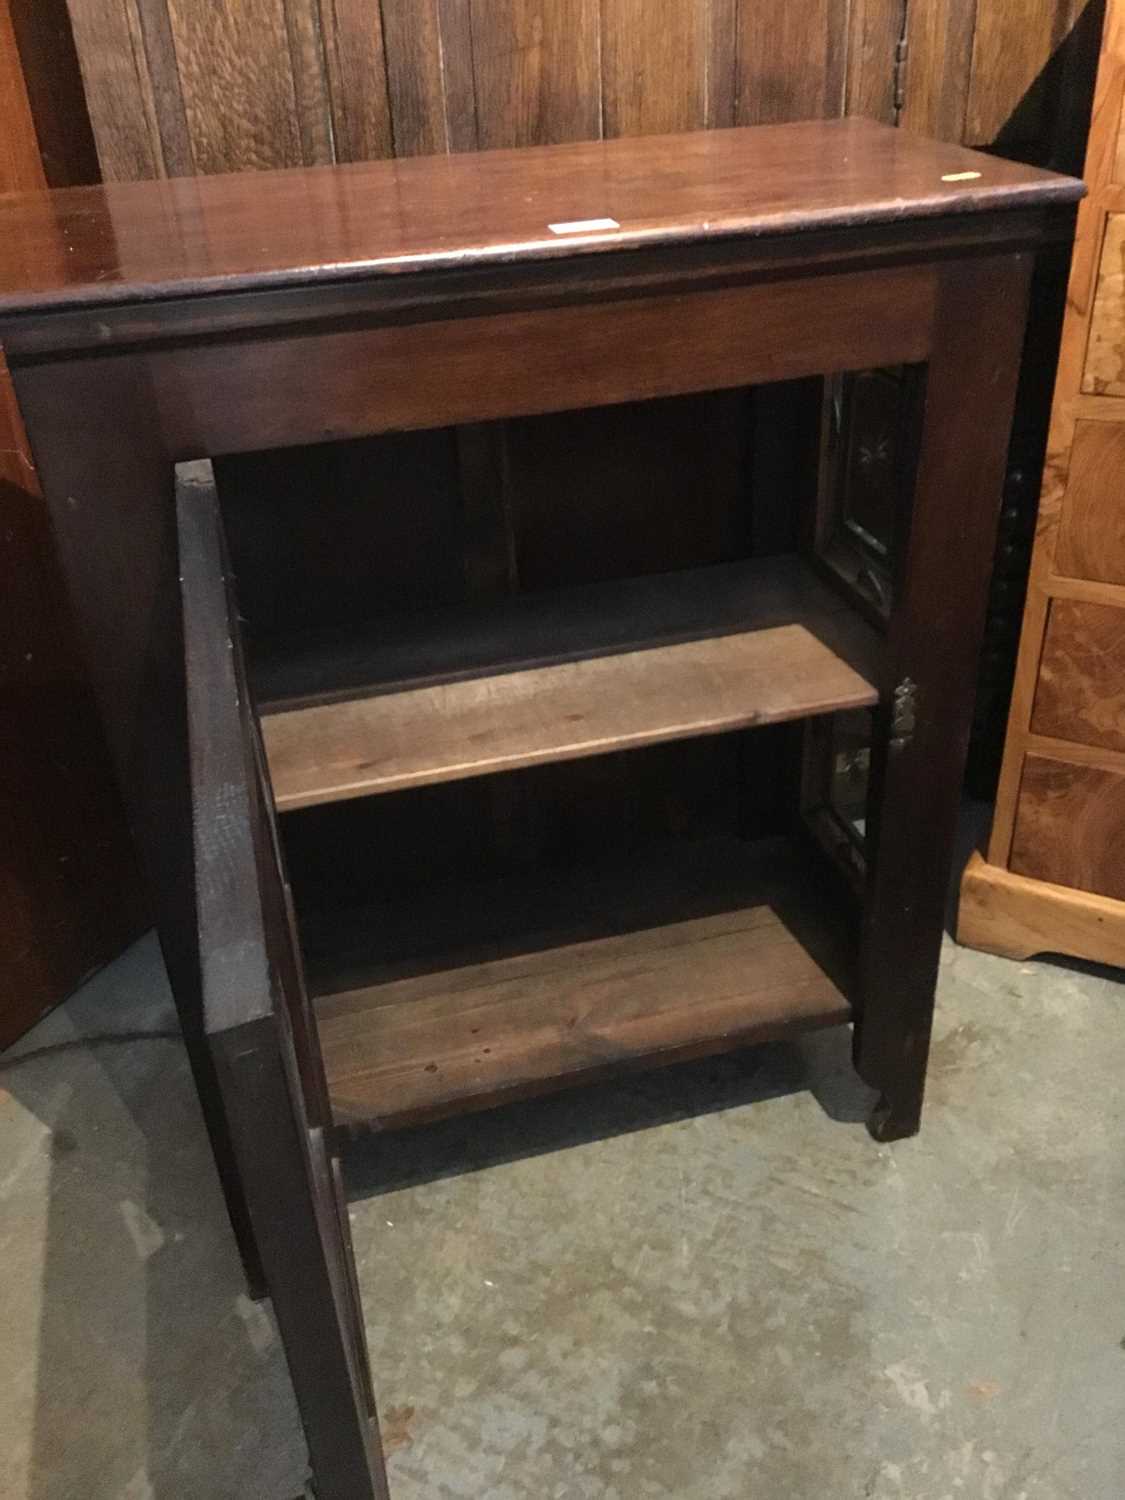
(959, 176)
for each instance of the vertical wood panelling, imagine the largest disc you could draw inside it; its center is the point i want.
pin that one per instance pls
(638, 48)
(791, 60)
(722, 63)
(199, 85)
(167, 92)
(310, 83)
(875, 28)
(236, 73)
(1010, 88)
(412, 37)
(940, 41)
(118, 79)
(561, 468)
(357, 76)
(537, 70)
(455, 21)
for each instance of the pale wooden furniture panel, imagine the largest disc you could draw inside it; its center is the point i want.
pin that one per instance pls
(1091, 541)
(1070, 829)
(1018, 917)
(1119, 157)
(1081, 691)
(1105, 353)
(1053, 876)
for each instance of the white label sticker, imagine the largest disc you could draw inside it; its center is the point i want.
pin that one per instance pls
(959, 176)
(583, 226)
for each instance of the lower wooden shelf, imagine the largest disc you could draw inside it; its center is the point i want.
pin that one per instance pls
(549, 980)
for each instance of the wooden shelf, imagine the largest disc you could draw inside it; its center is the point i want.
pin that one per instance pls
(552, 979)
(575, 673)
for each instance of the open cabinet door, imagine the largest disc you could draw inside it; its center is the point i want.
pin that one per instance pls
(261, 1029)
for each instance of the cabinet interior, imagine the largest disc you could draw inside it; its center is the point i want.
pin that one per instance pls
(569, 722)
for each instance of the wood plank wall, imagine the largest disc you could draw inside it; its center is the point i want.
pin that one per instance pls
(182, 86)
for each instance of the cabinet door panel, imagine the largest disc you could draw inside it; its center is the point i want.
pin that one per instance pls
(260, 1026)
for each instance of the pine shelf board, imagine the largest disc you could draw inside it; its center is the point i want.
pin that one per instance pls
(578, 673)
(756, 953)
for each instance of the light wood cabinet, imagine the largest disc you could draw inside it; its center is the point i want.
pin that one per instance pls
(1053, 878)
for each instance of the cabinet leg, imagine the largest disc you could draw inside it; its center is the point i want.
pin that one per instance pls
(892, 1060)
(933, 646)
(898, 1116)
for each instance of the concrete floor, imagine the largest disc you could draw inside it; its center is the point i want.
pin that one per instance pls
(700, 1284)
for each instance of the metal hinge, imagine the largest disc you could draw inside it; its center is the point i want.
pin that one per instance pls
(903, 714)
(902, 48)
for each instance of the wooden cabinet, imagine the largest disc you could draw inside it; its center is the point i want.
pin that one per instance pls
(312, 82)
(1052, 879)
(347, 947)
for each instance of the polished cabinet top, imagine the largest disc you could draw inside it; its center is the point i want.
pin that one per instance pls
(144, 241)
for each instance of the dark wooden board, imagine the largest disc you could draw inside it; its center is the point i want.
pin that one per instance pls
(260, 1028)
(552, 979)
(68, 887)
(134, 241)
(328, 536)
(559, 472)
(933, 648)
(68, 884)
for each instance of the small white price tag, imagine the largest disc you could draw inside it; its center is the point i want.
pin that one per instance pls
(583, 226)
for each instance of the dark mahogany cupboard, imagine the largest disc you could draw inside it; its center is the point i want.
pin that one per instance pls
(384, 748)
